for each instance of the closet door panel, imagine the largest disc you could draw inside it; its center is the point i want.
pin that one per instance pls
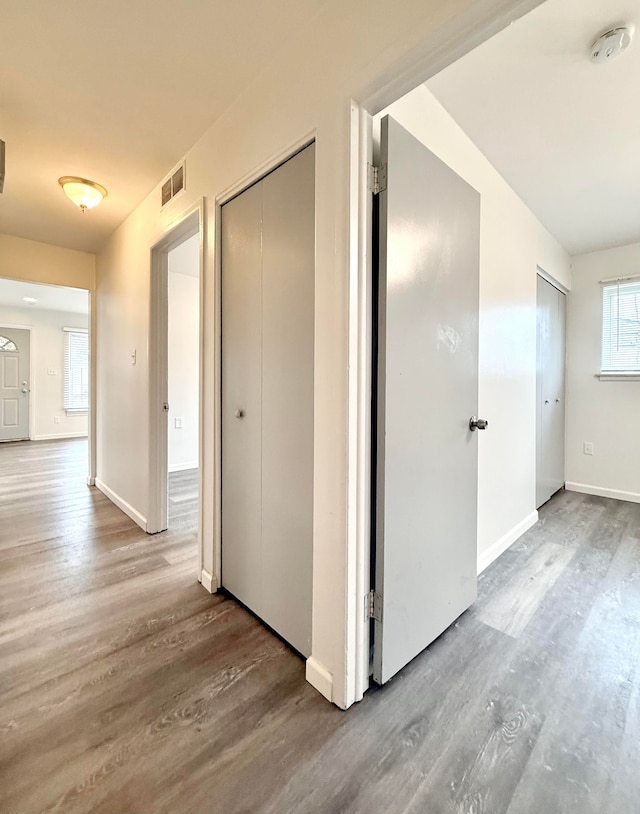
(287, 398)
(242, 396)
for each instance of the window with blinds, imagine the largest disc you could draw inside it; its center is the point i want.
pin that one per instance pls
(621, 327)
(76, 370)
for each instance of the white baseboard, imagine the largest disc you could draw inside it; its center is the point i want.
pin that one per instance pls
(320, 678)
(183, 467)
(91, 481)
(208, 581)
(55, 436)
(127, 508)
(601, 491)
(500, 546)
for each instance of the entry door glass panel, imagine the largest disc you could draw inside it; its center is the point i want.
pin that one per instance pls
(14, 384)
(426, 535)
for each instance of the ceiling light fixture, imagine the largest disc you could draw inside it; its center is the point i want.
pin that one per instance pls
(85, 194)
(30, 299)
(612, 43)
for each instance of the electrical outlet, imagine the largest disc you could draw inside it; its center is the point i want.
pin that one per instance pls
(178, 423)
(587, 448)
(56, 419)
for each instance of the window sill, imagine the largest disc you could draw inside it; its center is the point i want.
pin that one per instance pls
(76, 412)
(632, 376)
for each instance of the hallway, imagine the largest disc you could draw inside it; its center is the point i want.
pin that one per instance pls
(126, 689)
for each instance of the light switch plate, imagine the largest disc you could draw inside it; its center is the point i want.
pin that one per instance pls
(178, 423)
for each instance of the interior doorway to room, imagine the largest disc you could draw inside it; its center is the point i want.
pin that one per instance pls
(175, 415)
(183, 384)
(45, 368)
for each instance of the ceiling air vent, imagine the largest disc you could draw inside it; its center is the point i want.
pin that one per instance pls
(174, 184)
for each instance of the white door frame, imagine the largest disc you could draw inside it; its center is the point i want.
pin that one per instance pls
(188, 223)
(452, 44)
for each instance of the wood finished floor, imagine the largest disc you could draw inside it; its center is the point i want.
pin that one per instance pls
(127, 689)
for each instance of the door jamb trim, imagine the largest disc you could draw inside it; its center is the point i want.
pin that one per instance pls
(187, 224)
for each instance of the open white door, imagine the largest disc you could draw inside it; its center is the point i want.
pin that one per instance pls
(427, 454)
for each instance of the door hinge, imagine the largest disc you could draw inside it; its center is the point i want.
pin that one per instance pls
(377, 178)
(374, 606)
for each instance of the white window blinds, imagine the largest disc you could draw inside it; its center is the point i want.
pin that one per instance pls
(76, 370)
(621, 327)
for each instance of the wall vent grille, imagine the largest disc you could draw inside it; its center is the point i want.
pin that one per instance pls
(173, 184)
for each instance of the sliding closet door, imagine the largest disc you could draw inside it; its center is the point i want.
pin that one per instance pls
(242, 396)
(268, 261)
(288, 259)
(550, 390)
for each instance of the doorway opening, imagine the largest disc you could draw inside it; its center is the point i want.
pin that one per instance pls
(46, 392)
(175, 364)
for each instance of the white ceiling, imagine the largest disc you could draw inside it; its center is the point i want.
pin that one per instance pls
(117, 92)
(49, 297)
(563, 132)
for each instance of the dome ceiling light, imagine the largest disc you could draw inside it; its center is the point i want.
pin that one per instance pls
(611, 43)
(85, 194)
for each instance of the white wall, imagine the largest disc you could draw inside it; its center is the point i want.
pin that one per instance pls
(512, 244)
(47, 351)
(356, 50)
(603, 412)
(184, 353)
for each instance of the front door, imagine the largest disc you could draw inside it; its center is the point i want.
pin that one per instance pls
(14, 384)
(427, 452)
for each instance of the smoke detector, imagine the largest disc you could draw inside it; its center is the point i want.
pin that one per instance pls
(612, 43)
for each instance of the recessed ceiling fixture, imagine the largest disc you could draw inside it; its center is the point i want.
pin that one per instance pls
(612, 43)
(30, 299)
(85, 194)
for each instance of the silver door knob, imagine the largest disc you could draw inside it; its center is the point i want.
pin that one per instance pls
(478, 423)
(239, 413)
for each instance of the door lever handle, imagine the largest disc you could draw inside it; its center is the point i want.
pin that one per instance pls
(478, 423)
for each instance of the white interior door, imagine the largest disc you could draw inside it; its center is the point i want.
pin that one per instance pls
(551, 311)
(427, 455)
(14, 384)
(268, 262)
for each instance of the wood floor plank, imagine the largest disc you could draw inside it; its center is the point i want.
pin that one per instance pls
(512, 608)
(125, 688)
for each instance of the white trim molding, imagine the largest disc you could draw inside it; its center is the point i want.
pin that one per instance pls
(55, 436)
(122, 504)
(320, 678)
(602, 491)
(208, 581)
(501, 545)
